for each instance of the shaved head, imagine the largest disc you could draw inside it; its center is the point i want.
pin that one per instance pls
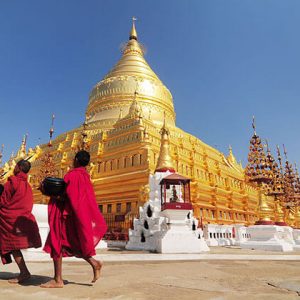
(24, 166)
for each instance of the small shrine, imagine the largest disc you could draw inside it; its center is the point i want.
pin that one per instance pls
(175, 192)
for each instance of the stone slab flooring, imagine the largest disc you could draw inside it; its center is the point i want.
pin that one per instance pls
(143, 279)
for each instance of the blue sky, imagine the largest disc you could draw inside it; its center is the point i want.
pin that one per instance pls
(223, 61)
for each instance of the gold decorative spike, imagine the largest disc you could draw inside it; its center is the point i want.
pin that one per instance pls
(135, 110)
(21, 154)
(12, 156)
(289, 182)
(1, 154)
(47, 168)
(133, 34)
(165, 162)
(231, 157)
(51, 131)
(84, 137)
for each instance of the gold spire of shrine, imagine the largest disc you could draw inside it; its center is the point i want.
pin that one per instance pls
(84, 137)
(275, 188)
(165, 162)
(1, 154)
(135, 109)
(22, 151)
(133, 34)
(47, 167)
(51, 131)
(230, 156)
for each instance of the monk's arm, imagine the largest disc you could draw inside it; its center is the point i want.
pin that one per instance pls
(7, 194)
(72, 190)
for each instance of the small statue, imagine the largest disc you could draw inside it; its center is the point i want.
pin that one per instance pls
(174, 197)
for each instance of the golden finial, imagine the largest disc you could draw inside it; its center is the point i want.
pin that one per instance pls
(279, 158)
(25, 139)
(284, 151)
(253, 125)
(135, 109)
(164, 162)
(51, 131)
(1, 153)
(133, 34)
(22, 151)
(230, 156)
(296, 169)
(84, 136)
(267, 145)
(278, 153)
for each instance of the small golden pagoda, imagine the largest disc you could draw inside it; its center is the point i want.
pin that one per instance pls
(122, 131)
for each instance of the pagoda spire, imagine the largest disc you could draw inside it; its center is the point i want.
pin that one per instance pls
(1, 154)
(253, 125)
(165, 162)
(84, 137)
(289, 177)
(133, 33)
(276, 187)
(258, 170)
(51, 131)
(47, 162)
(135, 110)
(22, 151)
(230, 156)
(289, 189)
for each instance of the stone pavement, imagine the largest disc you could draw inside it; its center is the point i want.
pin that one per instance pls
(224, 274)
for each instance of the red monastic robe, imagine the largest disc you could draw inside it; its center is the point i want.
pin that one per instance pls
(18, 227)
(76, 224)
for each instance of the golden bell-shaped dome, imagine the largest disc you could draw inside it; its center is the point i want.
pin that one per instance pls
(131, 74)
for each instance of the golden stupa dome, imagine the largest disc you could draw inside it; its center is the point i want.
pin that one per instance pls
(131, 75)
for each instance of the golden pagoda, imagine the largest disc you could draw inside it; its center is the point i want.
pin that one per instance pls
(126, 112)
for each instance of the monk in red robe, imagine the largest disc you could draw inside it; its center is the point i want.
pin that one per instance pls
(76, 224)
(18, 227)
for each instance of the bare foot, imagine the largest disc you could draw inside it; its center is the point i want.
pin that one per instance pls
(97, 269)
(20, 279)
(53, 284)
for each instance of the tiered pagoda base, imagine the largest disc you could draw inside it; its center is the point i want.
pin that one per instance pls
(296, 236)
(165, 231)
(270, 237)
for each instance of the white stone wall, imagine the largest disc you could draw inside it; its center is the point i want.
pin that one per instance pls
(40, 211)
(220, 235)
